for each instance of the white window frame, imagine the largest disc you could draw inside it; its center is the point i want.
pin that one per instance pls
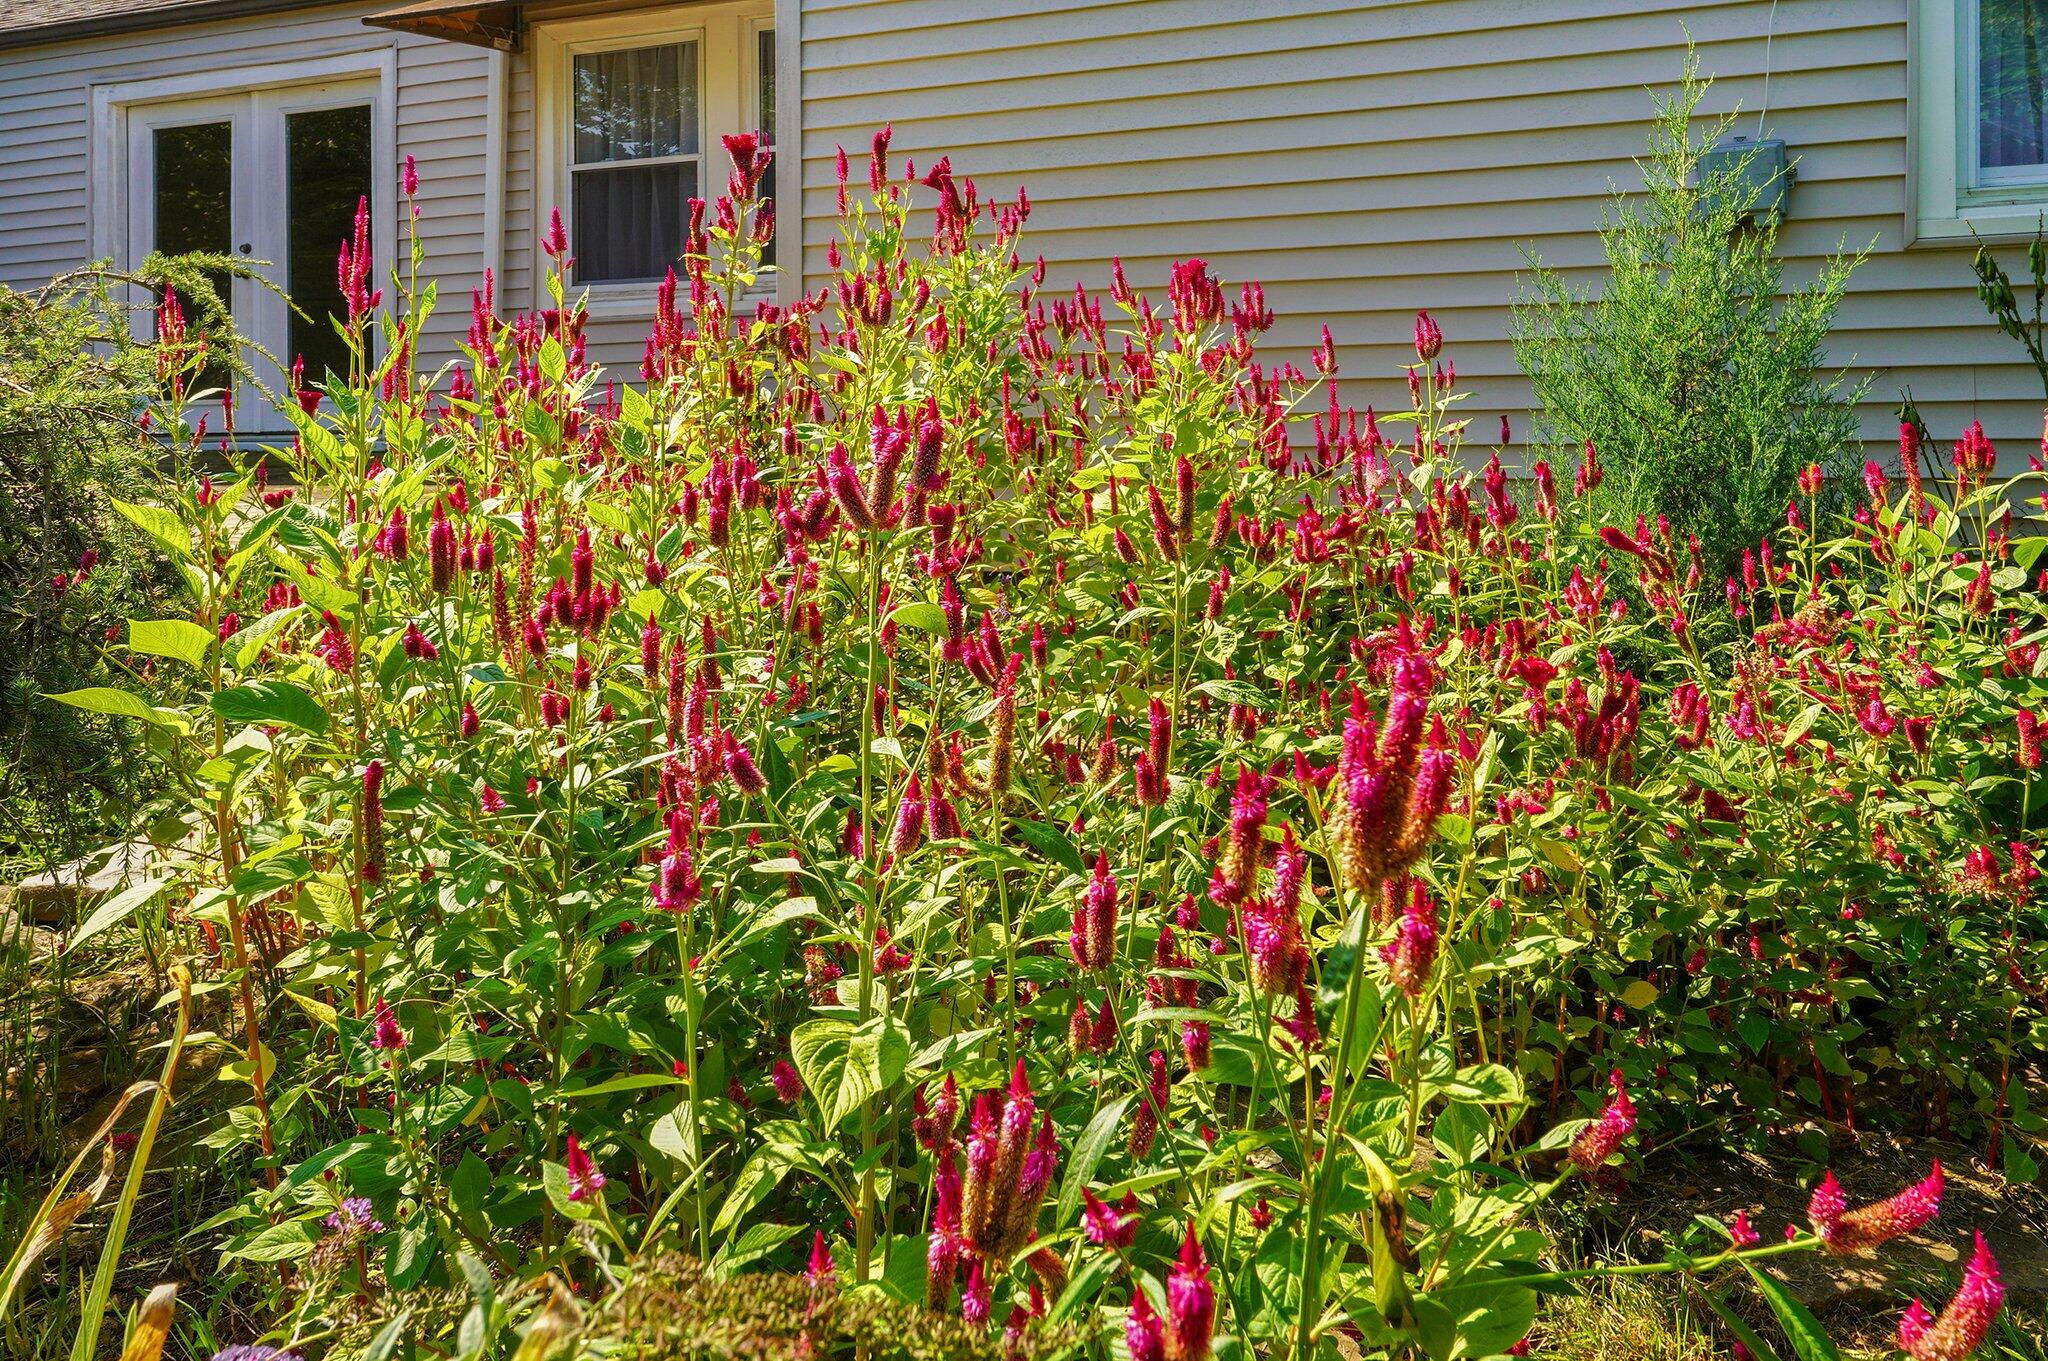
(725, 103)
(1947, 197)
(119, 226)
(750, 105)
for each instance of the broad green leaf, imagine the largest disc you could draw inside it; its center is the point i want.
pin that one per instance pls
(921, 615)
(180, 639)
(103, 699)
(413, 1248)
(1051, 841)
(1809, 1341)
(271, 702)
(1639, 994)
(160, 524)
(115, 909)
(1094, 1142)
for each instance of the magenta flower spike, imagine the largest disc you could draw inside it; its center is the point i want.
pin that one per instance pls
(1144, 1330)
(1962, 1327)
(821, 1270)
(1411, 954)
(1093, 938)
(1110, 1226)
(585, 1180)
(1598, 1141)
(1845, 1231)
(388, 1035)
(1190, 1302)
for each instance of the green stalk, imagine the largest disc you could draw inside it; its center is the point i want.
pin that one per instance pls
(86, 1343)
(864, 1217)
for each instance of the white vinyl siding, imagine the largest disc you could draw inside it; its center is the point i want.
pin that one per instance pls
(1364, 159)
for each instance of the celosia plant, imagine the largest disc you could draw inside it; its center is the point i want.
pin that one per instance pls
(964, 797)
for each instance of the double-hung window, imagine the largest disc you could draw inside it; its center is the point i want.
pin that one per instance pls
(1980, 117)
(632, 110)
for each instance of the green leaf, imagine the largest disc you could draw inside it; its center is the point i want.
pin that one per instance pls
(1802, 1330)
(385, 1345)
(411, 1253)
(104, 699)
(279, 1242)
(921, 615)
(843, 1066)
(160, 524)
(177, 638)
(1094, 1142)
(761, 923)
(1639, 994)
(1484, 1084)
(469, 1184)
(554, 1179)
(273, 702)
(1051, 841)
(1802, 725)
(114, 909)
(1746, 1335)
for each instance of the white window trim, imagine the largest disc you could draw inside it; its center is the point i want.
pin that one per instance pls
(108, 177)
(724, 104)
(789, 147)
(1942, 205)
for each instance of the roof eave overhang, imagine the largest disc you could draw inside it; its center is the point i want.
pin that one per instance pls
(496, 26)
(143, 20)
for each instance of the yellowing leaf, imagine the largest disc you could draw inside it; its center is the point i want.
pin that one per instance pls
(1639, 994)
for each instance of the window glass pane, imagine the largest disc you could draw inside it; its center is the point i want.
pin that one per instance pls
(764, 63)
(327, 173)
(2012, 124)
(635, 104)
(194, 178)
(192, 204)
(630, 220)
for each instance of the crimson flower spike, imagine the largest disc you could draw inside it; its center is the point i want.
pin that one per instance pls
(1190, 1303)
(1238, 867)
(1962, 1327)
(821, 1270)
(585, 1180)
(1598, 1141)
(1390, 786)
(1411, 954)
(1845, 1231)
(1093, 939)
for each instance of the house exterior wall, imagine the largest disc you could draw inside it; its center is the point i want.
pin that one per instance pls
(47, 200)
(1364, 159)
(1361, 158)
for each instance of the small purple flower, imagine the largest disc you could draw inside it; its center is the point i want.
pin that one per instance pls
(254, 1351)
(355, 1216)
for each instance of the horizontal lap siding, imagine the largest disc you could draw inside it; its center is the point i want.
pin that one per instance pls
(1367, 159)
(45, 128)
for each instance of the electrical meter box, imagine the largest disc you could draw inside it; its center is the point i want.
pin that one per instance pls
(1760, 164)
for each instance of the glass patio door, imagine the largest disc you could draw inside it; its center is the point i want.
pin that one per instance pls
(270, 176)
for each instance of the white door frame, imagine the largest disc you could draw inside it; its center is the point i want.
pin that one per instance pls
(120, 217)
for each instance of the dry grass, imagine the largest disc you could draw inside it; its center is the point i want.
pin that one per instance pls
(1625, 1319)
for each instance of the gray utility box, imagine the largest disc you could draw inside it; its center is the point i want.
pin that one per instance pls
(1760, 164)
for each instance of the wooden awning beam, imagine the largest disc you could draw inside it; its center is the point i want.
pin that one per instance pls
(495, 26)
